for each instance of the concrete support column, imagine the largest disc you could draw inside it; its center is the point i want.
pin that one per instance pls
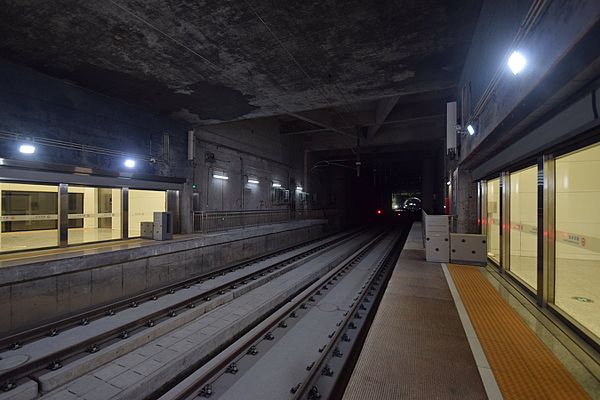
(125, 213)
(63, 215)
(427, 184)
(185, 207)
(466, 202)
(174, 205)
(307, 165)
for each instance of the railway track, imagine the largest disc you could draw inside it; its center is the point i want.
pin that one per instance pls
(305, 349)
(52, 346)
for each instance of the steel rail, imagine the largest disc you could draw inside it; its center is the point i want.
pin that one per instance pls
(191, 386)
(308, 389)
(23, 370)
(29, 335)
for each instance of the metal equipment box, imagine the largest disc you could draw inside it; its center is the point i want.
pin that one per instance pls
(147, 230)
(163, 226)
(468, 248)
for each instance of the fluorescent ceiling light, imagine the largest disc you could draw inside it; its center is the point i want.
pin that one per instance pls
(27, 149)
(516, 62)
(255, 181)
(448, 183)
(471, 129)
(129, 163)
(218, 176)
(299, 188)
(276, 185)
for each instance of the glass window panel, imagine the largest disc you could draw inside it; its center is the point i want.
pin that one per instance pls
(142, 205)
(523, 225)
(577, 285)
(29, 216)
(94, 214)
(493, 219)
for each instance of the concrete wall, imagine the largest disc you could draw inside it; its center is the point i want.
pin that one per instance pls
(37, 106)
(45, 291)
(561, 27)
(546, 105)
(246, 150)
(573, 120)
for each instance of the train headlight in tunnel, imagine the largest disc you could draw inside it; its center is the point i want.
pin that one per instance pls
(516, 62)
(27, 149)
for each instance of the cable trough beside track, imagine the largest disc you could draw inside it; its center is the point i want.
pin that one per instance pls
(52, 346)
(305, 349)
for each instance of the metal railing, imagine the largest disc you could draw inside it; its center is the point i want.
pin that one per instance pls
(213, 221)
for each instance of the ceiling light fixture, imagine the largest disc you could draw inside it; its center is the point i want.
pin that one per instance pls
(276, 185)
(254, 181)
(516, 62)
(27, 149)
(471, 129)
(129, 163)
(219, 176)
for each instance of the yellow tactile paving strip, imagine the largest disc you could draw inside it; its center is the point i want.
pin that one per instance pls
(523, 366)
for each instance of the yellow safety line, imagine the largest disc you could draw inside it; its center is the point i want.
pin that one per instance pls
(523, 366)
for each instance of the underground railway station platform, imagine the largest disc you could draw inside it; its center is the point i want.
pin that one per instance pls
(449, 331)
(299, 200)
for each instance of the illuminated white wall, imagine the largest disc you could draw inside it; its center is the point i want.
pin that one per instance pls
(142, 205)
(25, 240)
(577, 287)
(493, 219)
(523, 225)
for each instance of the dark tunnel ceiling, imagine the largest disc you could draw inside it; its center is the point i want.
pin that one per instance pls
(214, 61)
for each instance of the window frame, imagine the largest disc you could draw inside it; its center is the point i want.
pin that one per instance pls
(546, 244)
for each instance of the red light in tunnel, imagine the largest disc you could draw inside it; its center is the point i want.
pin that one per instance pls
(378, 212)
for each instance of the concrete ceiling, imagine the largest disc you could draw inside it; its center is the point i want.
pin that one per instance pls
(325, 65)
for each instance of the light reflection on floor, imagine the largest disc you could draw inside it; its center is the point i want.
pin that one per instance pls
(577, 281)
(14, 241)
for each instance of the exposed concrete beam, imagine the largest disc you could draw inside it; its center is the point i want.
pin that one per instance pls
(426, 132)
(407, 121)
(312, 118)
(381, 125)
(384, 108)
(307, 132)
